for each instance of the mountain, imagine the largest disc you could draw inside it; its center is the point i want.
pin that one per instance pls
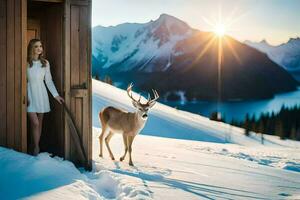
(170, 56)
(138, 46)
(286, 55)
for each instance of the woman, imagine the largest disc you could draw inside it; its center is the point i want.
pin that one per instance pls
(38, 70)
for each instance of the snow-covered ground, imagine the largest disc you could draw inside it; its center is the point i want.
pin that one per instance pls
(179, 165)
(42, 177)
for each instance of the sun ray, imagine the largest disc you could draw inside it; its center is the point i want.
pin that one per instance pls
(222, 26)
(206, 47)
(220, 56)
(208, 22)
(234, 53)
(203, 51)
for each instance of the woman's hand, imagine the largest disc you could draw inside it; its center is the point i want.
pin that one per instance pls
(59, 99)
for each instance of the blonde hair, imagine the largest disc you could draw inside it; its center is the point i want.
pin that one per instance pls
(30, 53)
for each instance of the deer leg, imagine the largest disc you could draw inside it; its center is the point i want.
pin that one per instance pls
(130, 140)
(104, 131)
(107, 139)
(126, 147)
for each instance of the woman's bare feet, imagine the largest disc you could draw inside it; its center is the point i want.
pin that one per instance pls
(36, 151)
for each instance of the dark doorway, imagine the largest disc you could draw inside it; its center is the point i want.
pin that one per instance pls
(45, 21)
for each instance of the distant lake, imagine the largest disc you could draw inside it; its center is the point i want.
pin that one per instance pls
(237, 110)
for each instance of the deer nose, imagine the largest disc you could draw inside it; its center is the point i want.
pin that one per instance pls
(145, 115)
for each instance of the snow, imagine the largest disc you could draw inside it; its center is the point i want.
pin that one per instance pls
(172, 160)
(180, 169)
(179, 124)
(24, 176)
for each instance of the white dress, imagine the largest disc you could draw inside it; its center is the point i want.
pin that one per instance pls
(36, 89)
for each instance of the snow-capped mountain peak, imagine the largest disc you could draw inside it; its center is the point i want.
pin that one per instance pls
(173, 24)
(286, 55)
(167, 26)
(264, 41)
(297, 39)
(137, 45)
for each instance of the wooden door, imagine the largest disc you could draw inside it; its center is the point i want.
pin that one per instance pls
(78, 76)
(13, 74)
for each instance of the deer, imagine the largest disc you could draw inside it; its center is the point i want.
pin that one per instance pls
(129, 124)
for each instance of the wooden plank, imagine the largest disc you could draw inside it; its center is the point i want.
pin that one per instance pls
(3, 117)
(73, 154)
(75, 56)
(74, 75)
(66, 63)
(23, 72)
(89, 99)
(10, 74)
(78, 114)
(85, 125)
(85, 76)
(83, 44)
(17, 76)
(82, 105)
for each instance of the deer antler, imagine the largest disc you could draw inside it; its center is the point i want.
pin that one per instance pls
(156, 96)
(149, 101)
(129, 93)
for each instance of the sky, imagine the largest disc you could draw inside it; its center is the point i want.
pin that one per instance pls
(255, 20)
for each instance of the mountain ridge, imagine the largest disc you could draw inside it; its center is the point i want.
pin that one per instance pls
(286, 55)
(171, 56)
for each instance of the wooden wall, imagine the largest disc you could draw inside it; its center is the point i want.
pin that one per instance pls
(66, 25)
(12, 74)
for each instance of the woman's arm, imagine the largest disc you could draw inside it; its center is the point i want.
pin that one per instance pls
(49, 81)
(50, 84)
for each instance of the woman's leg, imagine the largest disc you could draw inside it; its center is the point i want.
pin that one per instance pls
(34, 122)
(40, 117)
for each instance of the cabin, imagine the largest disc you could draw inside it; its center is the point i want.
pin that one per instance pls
(64, 26)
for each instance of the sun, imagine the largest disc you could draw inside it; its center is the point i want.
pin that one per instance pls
(220, 30)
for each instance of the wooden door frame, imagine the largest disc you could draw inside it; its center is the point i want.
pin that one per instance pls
(24, 72)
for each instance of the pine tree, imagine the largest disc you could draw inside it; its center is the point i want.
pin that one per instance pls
(293, 134)
(107, 79)
(246, 125)
(279, 130)
(262, 138)
(261, 126)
